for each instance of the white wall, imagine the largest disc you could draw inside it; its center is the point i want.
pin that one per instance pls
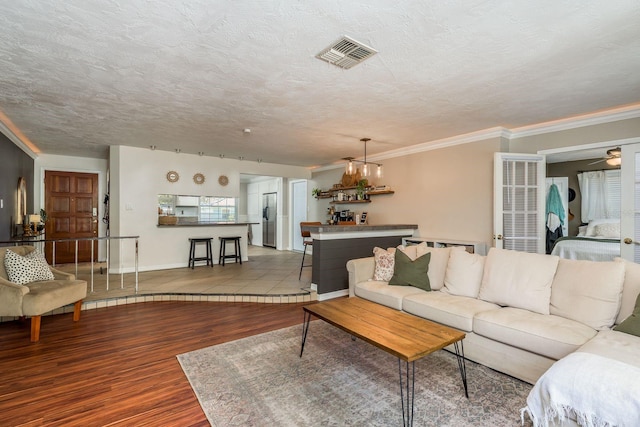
(139, 175)
(448, 192)
(51, 162)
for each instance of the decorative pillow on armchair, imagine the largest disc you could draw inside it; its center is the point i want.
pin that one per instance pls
(26, 269)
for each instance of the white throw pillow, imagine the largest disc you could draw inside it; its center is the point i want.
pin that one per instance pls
(385, 261)
(464, 274)
(438, 263)
(518, 279)
(588, 292)
(26, 269)
(412, 250)
(591, 228)
(607, 231)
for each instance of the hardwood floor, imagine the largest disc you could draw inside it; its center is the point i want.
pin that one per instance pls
(118, 365)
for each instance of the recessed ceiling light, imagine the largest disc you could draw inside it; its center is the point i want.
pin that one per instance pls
(247, 130)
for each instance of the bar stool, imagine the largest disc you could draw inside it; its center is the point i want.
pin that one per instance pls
(237, 255)
(306, 242)
(192, 251)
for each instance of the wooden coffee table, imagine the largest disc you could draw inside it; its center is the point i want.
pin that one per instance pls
(407, 337)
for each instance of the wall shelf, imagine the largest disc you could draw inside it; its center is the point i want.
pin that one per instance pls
(346, 202)
(328, 194)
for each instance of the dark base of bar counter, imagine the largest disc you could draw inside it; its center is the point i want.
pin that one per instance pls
(329, 270)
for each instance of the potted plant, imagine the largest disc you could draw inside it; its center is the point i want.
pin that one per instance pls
(315, 192)
(43, 220)
(360, 188)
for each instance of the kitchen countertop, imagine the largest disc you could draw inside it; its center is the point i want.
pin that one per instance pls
(335, 232)
(328, 228)
(205, 224)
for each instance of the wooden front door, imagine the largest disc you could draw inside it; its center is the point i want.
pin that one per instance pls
(71, 202)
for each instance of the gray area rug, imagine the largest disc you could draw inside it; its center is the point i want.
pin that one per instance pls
(262, 381)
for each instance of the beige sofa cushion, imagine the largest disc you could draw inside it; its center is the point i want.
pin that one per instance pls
(547, 335)
(385, 294)
(630, 289)
(464, 274)
(588, 292)
(518, 279)
(451, 310)
(615, 345)
(438, 263)
(48, 295)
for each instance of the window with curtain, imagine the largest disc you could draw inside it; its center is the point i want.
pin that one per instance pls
(601, 194)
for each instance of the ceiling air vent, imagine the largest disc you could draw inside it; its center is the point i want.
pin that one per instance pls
(346, 52)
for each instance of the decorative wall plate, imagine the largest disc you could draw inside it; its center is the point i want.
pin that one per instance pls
(198, 178)
(223, 180)
(172, 176)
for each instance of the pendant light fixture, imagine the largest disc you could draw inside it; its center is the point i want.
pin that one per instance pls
(350, 168)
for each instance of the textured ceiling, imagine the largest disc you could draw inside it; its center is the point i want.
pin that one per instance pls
(79, 75)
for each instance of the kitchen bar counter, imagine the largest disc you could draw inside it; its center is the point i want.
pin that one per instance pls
(333, 232)
(334, 245)
(206, 224)
(177, 237)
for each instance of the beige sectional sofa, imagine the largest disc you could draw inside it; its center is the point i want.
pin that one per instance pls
(521, 312)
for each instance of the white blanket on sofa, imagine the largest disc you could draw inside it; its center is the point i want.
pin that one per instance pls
(592, 390)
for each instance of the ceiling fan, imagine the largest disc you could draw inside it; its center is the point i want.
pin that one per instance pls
(612, 158)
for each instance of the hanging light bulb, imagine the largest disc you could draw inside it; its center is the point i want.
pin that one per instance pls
(350, 168)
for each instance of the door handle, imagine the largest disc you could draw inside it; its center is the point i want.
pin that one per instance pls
(628, 241)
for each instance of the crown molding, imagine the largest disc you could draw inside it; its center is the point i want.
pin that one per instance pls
(591, 119)
(482, 135)
(601, 117)
(6, 131)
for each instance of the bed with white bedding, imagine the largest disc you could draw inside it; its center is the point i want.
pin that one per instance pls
(597, 241)
(587, 248)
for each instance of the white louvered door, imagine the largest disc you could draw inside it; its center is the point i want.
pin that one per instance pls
(519, 202)
(630, 203)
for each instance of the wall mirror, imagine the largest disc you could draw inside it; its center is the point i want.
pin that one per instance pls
(21, 205)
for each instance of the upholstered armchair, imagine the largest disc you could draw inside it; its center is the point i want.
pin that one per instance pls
(35, 298)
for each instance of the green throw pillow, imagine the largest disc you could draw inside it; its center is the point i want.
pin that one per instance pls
(411, 273)
(631, 325)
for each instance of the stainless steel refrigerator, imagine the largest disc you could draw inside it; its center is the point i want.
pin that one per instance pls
(269, 224)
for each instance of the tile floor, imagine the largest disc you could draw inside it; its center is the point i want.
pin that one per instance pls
(270, 276)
